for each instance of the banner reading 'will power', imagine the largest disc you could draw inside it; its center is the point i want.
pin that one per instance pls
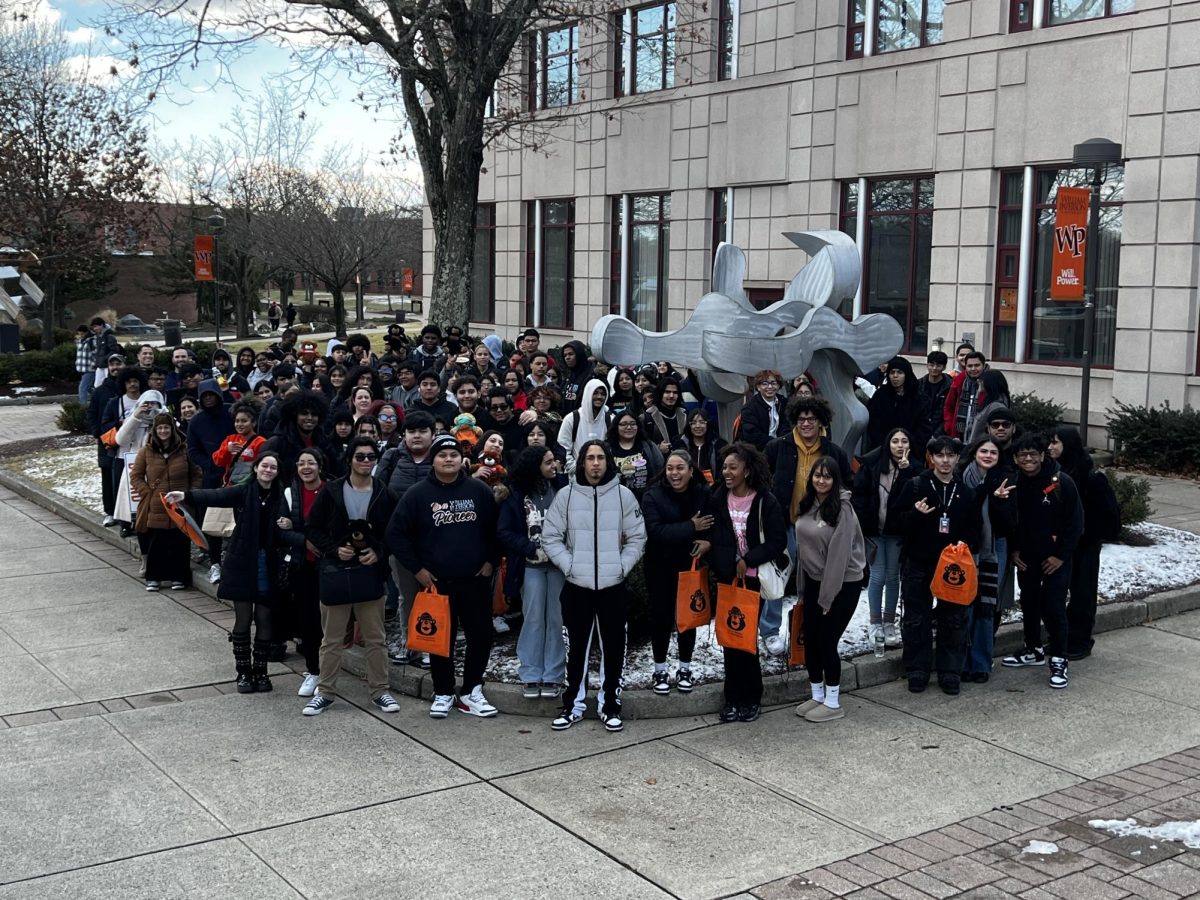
(1070, 244)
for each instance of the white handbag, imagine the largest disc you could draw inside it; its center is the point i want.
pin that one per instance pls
(772, 581)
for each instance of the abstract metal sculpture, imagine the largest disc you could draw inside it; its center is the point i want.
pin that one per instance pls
(726, 339)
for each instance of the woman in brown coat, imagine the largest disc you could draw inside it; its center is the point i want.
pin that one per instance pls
(162, 466)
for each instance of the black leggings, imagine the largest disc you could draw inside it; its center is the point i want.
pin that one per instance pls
(661, 586)
(306, 615)
(823, 630)
(244, 612)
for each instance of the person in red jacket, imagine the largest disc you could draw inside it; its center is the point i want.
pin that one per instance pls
(966, 397)
(237, 452)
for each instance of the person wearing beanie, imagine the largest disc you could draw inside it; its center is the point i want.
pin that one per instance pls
(444, 531)
(162, 466)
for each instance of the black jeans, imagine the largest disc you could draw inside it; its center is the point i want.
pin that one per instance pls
(108, 484)
(823, 630)
(604, 613)
(661, 586)
(166, 554)
(1081, 611)
(470, 606)
(1044, 599)
(305, 615)
(919, 657)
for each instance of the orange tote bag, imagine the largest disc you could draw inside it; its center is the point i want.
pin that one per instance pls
(429, 623)
(693, 602)
(737, 617)
(955, 578)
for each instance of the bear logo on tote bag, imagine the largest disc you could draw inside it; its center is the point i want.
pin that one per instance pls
(699, 602)
(426, 625)
(954, 575)
(736, 619)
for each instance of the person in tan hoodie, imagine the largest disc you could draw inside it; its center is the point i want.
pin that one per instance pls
(833, 560)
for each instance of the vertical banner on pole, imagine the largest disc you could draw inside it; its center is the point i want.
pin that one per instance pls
(202, 252)
(1070, 244)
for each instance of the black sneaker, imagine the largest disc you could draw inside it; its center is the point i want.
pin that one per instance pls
(683, 680)
(1034, 657)
(612, 723)
(662, 683)
(749, 713)
(1058, 672)
(317, 705)
(565, 720)
(917, 684)
(729, 713)
(949, 686)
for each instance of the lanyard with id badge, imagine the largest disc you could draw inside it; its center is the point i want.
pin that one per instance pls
(944, 505)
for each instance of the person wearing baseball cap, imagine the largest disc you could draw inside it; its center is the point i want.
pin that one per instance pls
(444, 532)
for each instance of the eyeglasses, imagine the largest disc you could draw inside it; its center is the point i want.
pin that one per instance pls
(627, 424)
(1029, 454)
(365, 457)
(1000, 424)
(800, 419)
(771, 382)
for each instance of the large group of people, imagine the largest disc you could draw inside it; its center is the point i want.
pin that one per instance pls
(338, 488)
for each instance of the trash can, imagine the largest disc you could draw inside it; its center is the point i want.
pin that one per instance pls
(172, 333)
(401, 317)
(10, 338)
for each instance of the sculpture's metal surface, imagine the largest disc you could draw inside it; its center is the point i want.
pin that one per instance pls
(727, 339)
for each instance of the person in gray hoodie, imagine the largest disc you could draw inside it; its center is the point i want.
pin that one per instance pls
(595, 534)
(589, 422)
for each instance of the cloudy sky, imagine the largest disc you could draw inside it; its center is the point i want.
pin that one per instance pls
(197, 107)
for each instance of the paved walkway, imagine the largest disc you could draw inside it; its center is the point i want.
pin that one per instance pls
(130, 770)
(23, 422)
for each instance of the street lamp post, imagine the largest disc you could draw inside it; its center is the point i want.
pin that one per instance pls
(216, 224)
(1095, 154)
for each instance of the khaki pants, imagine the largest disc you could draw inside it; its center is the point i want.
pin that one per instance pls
(334, 620)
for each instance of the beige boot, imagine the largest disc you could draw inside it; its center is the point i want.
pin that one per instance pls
(807, 706)
(825, 713)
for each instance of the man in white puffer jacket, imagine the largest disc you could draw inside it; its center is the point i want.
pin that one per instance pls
(594, 533)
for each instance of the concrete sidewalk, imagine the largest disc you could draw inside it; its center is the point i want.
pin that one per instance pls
(131, 771)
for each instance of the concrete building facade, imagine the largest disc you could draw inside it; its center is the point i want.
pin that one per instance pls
(936, 132)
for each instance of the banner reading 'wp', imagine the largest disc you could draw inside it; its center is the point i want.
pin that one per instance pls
(1070, 244)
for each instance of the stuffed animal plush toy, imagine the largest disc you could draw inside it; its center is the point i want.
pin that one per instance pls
(498, 472)
(308, 353)
(466, 432)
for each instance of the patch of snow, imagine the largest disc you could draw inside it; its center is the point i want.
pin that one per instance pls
(1186, 833)
(1127, 573)
(36, 389)
(71, 472)
(1041, 848)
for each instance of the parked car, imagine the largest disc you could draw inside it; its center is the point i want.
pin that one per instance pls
(131, 324)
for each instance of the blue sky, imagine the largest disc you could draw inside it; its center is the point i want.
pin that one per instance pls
(199, 105)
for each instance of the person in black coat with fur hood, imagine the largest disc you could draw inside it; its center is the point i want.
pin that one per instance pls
(899, 403)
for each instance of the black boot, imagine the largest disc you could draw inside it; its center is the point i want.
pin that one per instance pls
(241, 659)
(262, 653)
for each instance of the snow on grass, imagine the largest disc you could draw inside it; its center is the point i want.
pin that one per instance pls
(1186, 833)
(36, 389)
(1040, 848)
(71, 472)
(1129, 573)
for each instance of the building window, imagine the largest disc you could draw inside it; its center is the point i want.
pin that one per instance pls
(1056, 326)
(550, 263)
(856, 40)
(905, 24)
(1061, 12)
(554, 67)
(727, 40)
(1008, 266)
(642, 251)
(1020, 15)
(483, 275)
(897, 250)
(720, 219)
(646, 44)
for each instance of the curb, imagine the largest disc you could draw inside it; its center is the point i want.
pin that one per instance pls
(36, 400)
(790, 687)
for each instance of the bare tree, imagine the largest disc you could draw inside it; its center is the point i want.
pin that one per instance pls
(73, 161)
(439, 60)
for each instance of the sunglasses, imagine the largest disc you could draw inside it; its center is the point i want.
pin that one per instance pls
(365, 457)
(386, 418)
(498, 407)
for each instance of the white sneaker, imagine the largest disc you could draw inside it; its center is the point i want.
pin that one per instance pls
(152, 585)
(108, 522)
(891, 634)
(441, 706)
(775, 645)
(308, 686)
(499, 625)
(475, 704)
(214, 575)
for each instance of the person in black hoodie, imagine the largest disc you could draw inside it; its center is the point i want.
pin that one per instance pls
(444, 532)
(105, 393)
(575, 373)
(898, 403)
(762, 418)
(300, 419)
(1101, 522)
(677, 533)
(206, 432)
(1047, 529)
(935, 509)
(347, 523)
(252, 563)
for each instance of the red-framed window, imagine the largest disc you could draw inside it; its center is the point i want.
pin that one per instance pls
(897, 251)
(651, 44)
(645, 243)
(556, 241)
(483, 273)
(720, 219)
(1020, 15)
(1008, 266)
(1065, 12)
(856, 29)
(553, 67)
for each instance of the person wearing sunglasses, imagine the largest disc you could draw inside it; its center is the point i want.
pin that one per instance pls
(347, 524)
(762, 417)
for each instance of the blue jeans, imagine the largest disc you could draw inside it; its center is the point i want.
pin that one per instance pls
(541, 648)
(87, 382)
(885, 578)
(770, 616)
(981, 625)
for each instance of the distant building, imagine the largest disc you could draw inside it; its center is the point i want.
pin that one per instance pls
(936, 132)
